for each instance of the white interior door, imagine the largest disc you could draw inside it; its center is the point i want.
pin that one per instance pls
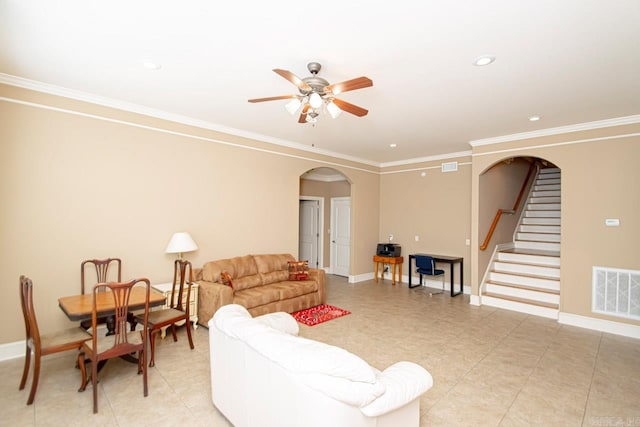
(340, 235)
(309, 232)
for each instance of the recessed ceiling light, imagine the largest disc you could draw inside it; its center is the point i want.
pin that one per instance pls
(151, 65)
(393, 145)
(534, 118)
(483, 60)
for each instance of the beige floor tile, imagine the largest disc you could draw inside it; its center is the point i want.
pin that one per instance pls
(490, 367)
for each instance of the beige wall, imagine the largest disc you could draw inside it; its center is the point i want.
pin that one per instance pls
(435, 207)
(599, 180)
(325, 190)
(76, 186)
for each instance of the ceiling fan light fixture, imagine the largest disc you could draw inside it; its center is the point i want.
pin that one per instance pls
(315, 100)
(333, 109)
(292, 106)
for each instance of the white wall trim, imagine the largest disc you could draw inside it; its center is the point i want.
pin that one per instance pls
(438, 167)
(475, 300)
(361, 277)
(427, 159)
(556, 144)
(602, 325)
(12, 350)
(619, 121)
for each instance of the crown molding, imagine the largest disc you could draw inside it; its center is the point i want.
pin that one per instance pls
(427, 159)
(163, 115)
(627, 120)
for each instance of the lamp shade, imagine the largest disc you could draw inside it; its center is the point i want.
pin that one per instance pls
(180, 243)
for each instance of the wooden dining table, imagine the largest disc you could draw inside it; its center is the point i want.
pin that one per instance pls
(80, 307)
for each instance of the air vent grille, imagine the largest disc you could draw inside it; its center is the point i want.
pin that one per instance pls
(616, 292)
(449, 167)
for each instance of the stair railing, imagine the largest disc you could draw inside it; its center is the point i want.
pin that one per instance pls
(500, 212)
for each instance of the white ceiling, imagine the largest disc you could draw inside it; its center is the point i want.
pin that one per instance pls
(569, 61)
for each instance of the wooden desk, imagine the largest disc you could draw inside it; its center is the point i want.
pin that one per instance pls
(451, 260)
(80, 307)
(393, 260)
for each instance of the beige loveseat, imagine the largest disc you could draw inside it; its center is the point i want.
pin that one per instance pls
(260, 284)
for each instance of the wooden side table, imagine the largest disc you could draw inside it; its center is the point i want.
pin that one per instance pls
(393, 260)
(165, 289)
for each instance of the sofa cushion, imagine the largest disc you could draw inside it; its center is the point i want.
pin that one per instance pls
(273, 268)
(256, 296)
(305, 356)
(291, 289)
(237, 267)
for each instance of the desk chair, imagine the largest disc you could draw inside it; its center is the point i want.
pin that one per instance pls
(426, 265)
(69, 339)
(122, 342)
(177, 307)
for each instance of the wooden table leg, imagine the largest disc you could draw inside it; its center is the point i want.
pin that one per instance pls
(393, 274)
(375, 271)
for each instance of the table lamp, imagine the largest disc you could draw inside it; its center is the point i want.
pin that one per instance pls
(181, 243)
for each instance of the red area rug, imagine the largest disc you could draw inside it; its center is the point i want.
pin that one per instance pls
(318, 314)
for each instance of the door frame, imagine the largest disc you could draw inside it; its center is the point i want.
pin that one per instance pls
(320, 230)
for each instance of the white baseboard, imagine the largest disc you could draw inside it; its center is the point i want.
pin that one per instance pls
(361, 277)
(601, 325)
(12, 350)
(475, 300)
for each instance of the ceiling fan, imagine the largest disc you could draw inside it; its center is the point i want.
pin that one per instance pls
(316, 93)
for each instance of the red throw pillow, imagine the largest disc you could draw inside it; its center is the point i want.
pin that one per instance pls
(298, 270)
(226, 279)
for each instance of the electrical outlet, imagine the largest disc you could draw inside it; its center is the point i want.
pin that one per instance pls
(467, 242)
(417, 238)
(390, 237)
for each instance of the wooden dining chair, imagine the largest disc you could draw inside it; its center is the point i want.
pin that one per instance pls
(101, 268)
(122, 342)
(177, 307)
(69, 339)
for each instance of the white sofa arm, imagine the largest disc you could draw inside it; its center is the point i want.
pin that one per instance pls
(281, 321)
(404, 382)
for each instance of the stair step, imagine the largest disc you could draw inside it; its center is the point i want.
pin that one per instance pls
(545, 199)
(540, 221)
(541, 214)
(549, 170)
(546, 193)
(515, 304)
(543, 206)
(523, 293)
(547, 271)
(546, 187)
(548, 181)
(530, 256)
(525, 280)
(538, 237)
(550, 175)
(546, 246)
(539, 228)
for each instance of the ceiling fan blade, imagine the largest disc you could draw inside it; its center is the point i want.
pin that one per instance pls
(353, 84)
(303, 114)
(350, 108)
(292, 78)
(272, 98)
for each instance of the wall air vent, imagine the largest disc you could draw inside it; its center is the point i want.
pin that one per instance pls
(450, 167)
(616, 292)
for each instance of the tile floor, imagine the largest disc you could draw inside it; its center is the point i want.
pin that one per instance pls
(491, 367)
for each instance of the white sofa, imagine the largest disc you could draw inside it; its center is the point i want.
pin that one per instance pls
(263, 374)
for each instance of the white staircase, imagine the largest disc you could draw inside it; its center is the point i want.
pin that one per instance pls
(526, 277)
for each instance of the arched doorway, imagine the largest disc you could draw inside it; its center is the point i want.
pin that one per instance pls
(519, 227)
(325, 220)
